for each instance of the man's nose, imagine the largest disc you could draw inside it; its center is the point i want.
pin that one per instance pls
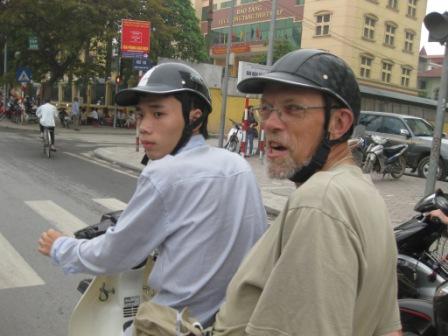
(273, 122)
(146, 126)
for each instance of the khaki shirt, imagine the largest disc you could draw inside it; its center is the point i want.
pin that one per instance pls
(327, 266)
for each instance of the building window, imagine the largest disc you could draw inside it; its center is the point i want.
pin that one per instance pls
(369, 27)
(389, 38)
(405, 76)
(408, 41)
(422, 85)
(412, 8)
(392, 4)
(227, 4)
(247, 1)
(386, 72)
(366, 66)
(322, 24)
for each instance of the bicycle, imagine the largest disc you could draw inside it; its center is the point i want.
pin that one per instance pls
(47, 142)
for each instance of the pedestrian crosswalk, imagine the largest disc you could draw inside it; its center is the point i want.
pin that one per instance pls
(15, 271)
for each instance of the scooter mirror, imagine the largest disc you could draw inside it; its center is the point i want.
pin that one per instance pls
(442, 203)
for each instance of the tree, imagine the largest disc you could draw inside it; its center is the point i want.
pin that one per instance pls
(75, 36)
(64, 29)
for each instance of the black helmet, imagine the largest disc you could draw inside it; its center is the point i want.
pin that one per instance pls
(166, 78)
(317, 70)
(181, 81)
(314, 69)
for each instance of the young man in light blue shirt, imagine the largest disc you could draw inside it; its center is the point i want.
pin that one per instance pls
(199, 206)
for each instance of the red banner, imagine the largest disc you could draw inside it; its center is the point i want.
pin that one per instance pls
(135, 36)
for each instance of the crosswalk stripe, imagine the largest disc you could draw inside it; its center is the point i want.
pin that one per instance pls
(56, 215)
(111, 203)
(15, 271)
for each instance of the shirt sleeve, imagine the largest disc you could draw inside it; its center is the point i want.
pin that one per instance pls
(140, 229)
(314, 282)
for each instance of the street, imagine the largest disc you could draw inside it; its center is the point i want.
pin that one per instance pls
(66, 193)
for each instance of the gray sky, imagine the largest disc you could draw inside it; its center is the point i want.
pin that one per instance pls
(433, 48)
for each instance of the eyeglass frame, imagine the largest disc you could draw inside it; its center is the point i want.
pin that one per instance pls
(303, 109)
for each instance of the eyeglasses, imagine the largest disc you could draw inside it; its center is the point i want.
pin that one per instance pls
(285, 113)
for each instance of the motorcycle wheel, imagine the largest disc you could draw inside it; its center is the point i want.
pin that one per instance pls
(367, 166)
(398, 168)
(232, 145)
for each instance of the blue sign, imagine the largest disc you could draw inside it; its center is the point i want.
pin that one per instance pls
(23, 75)
(142, 63)
(128, 54)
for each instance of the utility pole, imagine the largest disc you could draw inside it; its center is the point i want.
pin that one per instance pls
(5, 64)
(209, 25)
(270, 56)
(437, 25)
(225, 83)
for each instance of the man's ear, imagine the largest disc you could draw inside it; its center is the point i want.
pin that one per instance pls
(340, 122)
(195, 114)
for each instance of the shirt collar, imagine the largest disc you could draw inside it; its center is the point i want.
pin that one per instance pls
(195, 141)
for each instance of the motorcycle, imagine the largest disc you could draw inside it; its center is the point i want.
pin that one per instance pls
(234, 137)
(422, 269)
(64, 117)
(109, 303)
(384, 160)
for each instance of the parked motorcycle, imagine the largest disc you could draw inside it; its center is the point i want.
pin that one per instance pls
(423, 269)
(109, 303)
(234, 137)
(384, 160)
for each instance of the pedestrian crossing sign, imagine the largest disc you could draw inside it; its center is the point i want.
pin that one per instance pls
(23, 75)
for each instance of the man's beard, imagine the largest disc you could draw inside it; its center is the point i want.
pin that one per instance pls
(284, 168)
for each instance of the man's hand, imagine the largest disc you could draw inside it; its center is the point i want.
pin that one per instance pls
(438, 213)
(46, 241)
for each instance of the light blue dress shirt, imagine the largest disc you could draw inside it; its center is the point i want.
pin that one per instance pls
(202, 210)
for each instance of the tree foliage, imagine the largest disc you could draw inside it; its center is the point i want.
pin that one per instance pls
(75, 36)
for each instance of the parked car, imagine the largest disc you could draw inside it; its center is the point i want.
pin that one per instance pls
(414, 131)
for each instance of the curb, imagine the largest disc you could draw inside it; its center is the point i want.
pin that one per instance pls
(97, 153)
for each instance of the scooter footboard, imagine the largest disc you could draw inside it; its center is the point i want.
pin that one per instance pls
(109, 302)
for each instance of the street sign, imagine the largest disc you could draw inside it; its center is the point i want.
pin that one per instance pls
(247, 69)
(32, 43)
(135, 36)
(142, 63)
(23, 75)
(127, 54)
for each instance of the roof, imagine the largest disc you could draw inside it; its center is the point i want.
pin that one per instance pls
(434, 72)
(396, 95)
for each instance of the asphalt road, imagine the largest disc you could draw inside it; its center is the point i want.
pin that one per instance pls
(66, 192)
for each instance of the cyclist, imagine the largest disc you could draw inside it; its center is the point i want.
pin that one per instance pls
(47, 114)
(190, 201)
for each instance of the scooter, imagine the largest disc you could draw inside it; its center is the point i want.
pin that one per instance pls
(422, 269)
(384, 160)
(109, 303)
(234, 137)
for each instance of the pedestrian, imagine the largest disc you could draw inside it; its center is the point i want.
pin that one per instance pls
(76, 114)
(252, 131)
(47, 114)
(190, 202)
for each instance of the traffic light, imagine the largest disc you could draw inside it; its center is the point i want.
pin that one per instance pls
(437, 25)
